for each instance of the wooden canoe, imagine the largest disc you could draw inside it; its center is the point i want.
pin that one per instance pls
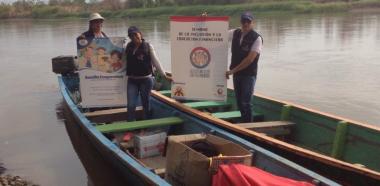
(127, 169)
(336, 147)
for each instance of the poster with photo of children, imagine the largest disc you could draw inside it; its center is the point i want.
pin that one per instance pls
(101, 54)
(102, 72)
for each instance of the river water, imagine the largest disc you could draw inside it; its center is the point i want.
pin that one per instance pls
(329, 63)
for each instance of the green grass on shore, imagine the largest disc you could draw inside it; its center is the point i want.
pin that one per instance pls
(290, 6)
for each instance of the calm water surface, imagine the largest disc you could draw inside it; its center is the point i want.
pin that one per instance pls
(326, 62)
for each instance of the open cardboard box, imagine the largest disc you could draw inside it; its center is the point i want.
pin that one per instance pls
(185, 166)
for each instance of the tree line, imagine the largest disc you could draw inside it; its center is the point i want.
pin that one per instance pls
(118, 4)
(64, 8)
(126, 8)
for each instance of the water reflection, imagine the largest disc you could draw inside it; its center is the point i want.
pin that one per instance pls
(2, 168)
(59, 111)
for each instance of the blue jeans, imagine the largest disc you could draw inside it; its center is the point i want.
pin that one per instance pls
(136, 87)
(244, 87)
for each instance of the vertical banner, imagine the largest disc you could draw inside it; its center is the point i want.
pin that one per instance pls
(102, 72)
(199, 55)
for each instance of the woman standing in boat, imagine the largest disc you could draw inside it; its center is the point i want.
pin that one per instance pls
(84, 40)
(141, 58)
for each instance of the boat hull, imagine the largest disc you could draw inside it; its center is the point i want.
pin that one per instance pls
(125, 170)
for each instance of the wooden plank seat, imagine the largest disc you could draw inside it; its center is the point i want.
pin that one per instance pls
(231, 115)
(270, 128)
(128, 126)
(167, 93)
(105, 112)
(207, 104)
(112, 115)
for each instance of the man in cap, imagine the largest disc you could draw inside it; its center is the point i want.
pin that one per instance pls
(246, 48)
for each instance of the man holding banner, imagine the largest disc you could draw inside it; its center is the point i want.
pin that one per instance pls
(246, 48)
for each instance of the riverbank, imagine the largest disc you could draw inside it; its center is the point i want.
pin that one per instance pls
(10, 180)
(289, 6)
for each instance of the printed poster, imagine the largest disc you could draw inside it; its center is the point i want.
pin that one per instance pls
(199, 55)
(102, 72)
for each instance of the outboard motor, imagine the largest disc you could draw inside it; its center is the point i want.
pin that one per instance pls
(63, 64)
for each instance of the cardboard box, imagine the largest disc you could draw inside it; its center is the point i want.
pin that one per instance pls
(185, 166)
(151, 144)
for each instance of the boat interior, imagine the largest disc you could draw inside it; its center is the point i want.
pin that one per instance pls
(111, 122)
(326, 134)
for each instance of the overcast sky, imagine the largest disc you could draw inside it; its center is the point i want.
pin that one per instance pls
(7, 1)
(11, 1)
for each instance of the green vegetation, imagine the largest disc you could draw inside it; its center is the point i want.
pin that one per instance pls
(150, 8)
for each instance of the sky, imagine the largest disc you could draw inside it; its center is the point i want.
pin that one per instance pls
(7, 1)
(11, 1)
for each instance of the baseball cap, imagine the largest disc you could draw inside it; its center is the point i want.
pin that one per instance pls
(246, 15)
(132, 30)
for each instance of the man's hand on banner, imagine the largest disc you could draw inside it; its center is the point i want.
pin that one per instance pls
(228, 73)
(204, 14)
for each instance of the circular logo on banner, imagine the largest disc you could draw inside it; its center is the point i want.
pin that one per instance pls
(200, 57)
(83, 42)
(220, 91)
